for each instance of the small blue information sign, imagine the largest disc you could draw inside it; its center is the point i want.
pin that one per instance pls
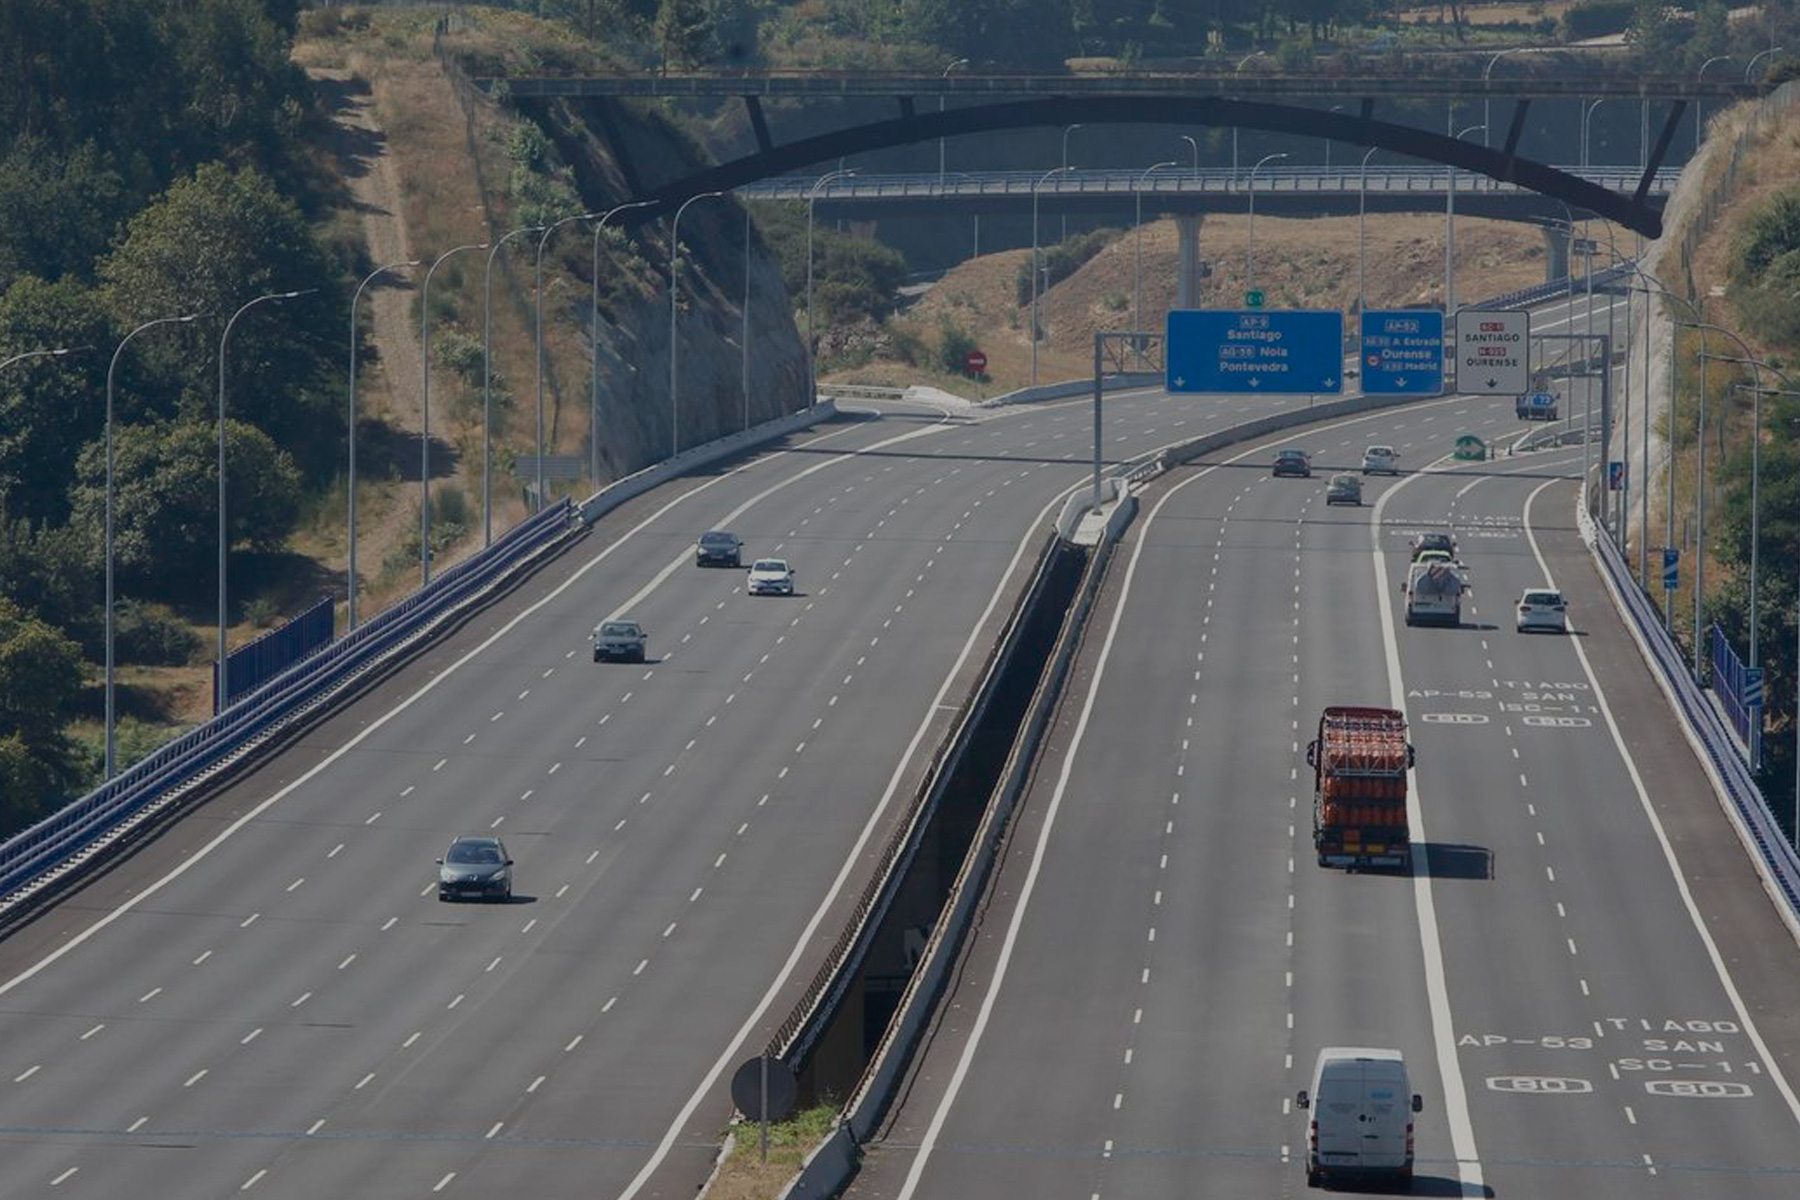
(1282, 351)
(1753, 687)
(1671, 568)
(1403, 352)
(1615, 476)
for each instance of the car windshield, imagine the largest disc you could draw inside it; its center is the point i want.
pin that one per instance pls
(619, 629)
(1290, 454)
(473, 853)
(716, 539)
(769, 564)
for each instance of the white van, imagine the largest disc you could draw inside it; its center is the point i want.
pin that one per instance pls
(1362, 1124)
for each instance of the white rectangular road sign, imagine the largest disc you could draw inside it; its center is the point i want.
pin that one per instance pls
(1493, 352)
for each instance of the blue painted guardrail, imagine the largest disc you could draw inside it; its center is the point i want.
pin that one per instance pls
(1728, 686)
(263, 658)
(1779, 865)
(65, 833)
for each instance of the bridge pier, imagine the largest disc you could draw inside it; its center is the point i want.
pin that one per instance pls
(1187, 274)
(1556, 253)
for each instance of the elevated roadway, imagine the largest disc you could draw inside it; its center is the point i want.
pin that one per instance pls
(1591, 988)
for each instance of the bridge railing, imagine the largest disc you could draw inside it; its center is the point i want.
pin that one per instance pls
(1180, 181)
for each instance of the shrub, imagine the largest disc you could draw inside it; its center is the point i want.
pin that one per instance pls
(1596, 18)
(261, 611)
(1065, 258)
(149, 633)
(954, 344)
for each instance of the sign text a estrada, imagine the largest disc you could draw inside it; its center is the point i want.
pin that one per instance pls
(1403, 352)
(1241, 351)
(1493, 352)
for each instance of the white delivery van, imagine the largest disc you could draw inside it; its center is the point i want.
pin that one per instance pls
(1434, 592)
(1362, 1108)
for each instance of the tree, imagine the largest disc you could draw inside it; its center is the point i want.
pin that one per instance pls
(40, 675)
(684, 30)
(60, 209)
(210, 244)
(49, 408)
(44, 570)
(165, 507)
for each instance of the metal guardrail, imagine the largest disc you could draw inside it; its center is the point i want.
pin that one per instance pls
(55, 841)
(1728, 686)
(1207, 180)
(1779, 865)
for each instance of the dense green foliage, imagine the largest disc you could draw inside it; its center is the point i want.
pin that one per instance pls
(152, 165)
(854, 279)
(1062, 260)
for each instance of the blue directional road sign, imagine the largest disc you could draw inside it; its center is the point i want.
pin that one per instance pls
(1403, 352)
(1282, 351)
(1671, 568)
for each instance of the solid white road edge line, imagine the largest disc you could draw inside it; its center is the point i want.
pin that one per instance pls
(1456, 1097)
(929, 1142)
(1687, 898)
(225, 834)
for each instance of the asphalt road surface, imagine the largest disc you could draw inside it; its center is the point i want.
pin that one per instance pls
(1591, 989)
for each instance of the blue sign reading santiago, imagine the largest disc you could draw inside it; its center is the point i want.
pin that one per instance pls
(1403, 352)
(1282, 351)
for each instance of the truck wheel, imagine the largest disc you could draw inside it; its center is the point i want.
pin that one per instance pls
(1314, 1179)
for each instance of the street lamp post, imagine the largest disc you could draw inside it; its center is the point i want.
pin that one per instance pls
(1587, 150)
(674, 293)
(594, 338)
(1137, 234)
(425, 410)
(744, 326)
(1063, 235)
(112, 370)
(1362, 242)
(223, 691)
(1250, 241)
(538, 303)
(1033, 332)
(1234, 128)
(1750, 67)
(487, 380)
(7, 362)
(1700, 104)
(351, 497)
(1334, 108)
(961, 62)
(1450, 231)
(812, 365)
(1487, 74)
(1195, 147)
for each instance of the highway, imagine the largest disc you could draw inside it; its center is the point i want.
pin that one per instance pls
(269, 998)
(1591, 989)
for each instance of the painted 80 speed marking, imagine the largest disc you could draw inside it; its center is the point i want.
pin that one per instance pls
(1705, 1089)
(1542, 1085)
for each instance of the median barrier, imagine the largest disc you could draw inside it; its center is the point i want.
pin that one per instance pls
(1075, 387)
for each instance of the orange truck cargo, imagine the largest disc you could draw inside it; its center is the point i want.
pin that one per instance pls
(1359, 763)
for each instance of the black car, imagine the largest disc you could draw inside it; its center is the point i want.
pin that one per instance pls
(718, 548)
(475, 866)
(1293, 462)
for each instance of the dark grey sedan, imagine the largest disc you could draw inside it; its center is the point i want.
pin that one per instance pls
(475, 866)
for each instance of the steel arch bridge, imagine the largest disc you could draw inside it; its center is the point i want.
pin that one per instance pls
(1636, 209)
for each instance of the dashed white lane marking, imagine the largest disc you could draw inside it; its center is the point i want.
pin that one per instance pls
(253, 1180)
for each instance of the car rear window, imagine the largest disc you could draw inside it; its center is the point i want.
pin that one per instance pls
(769, 564)
(1543, 597)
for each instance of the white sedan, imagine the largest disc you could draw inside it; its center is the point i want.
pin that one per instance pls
(770, 577)
(1543, 608)
(1380, 460)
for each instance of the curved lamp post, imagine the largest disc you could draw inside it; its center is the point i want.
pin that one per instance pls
(961, 62)
(1450, 232)
(1034, 264)
(1699, 104)
(812, 194)
(1587, 148)
(487, 379)
(1063, 228)
(674, 292)
(594, 333)
(111, 370)
(224, 691)
(1250, 241)
(1750, 67)
(1362, 241)
(538, 303)
(351, 498)
(1137, 237)
(1234, 129)
(7, 362)
(425, 411)
(1195, 147)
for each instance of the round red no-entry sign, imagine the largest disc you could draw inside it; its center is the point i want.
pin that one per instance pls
(975, 361)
